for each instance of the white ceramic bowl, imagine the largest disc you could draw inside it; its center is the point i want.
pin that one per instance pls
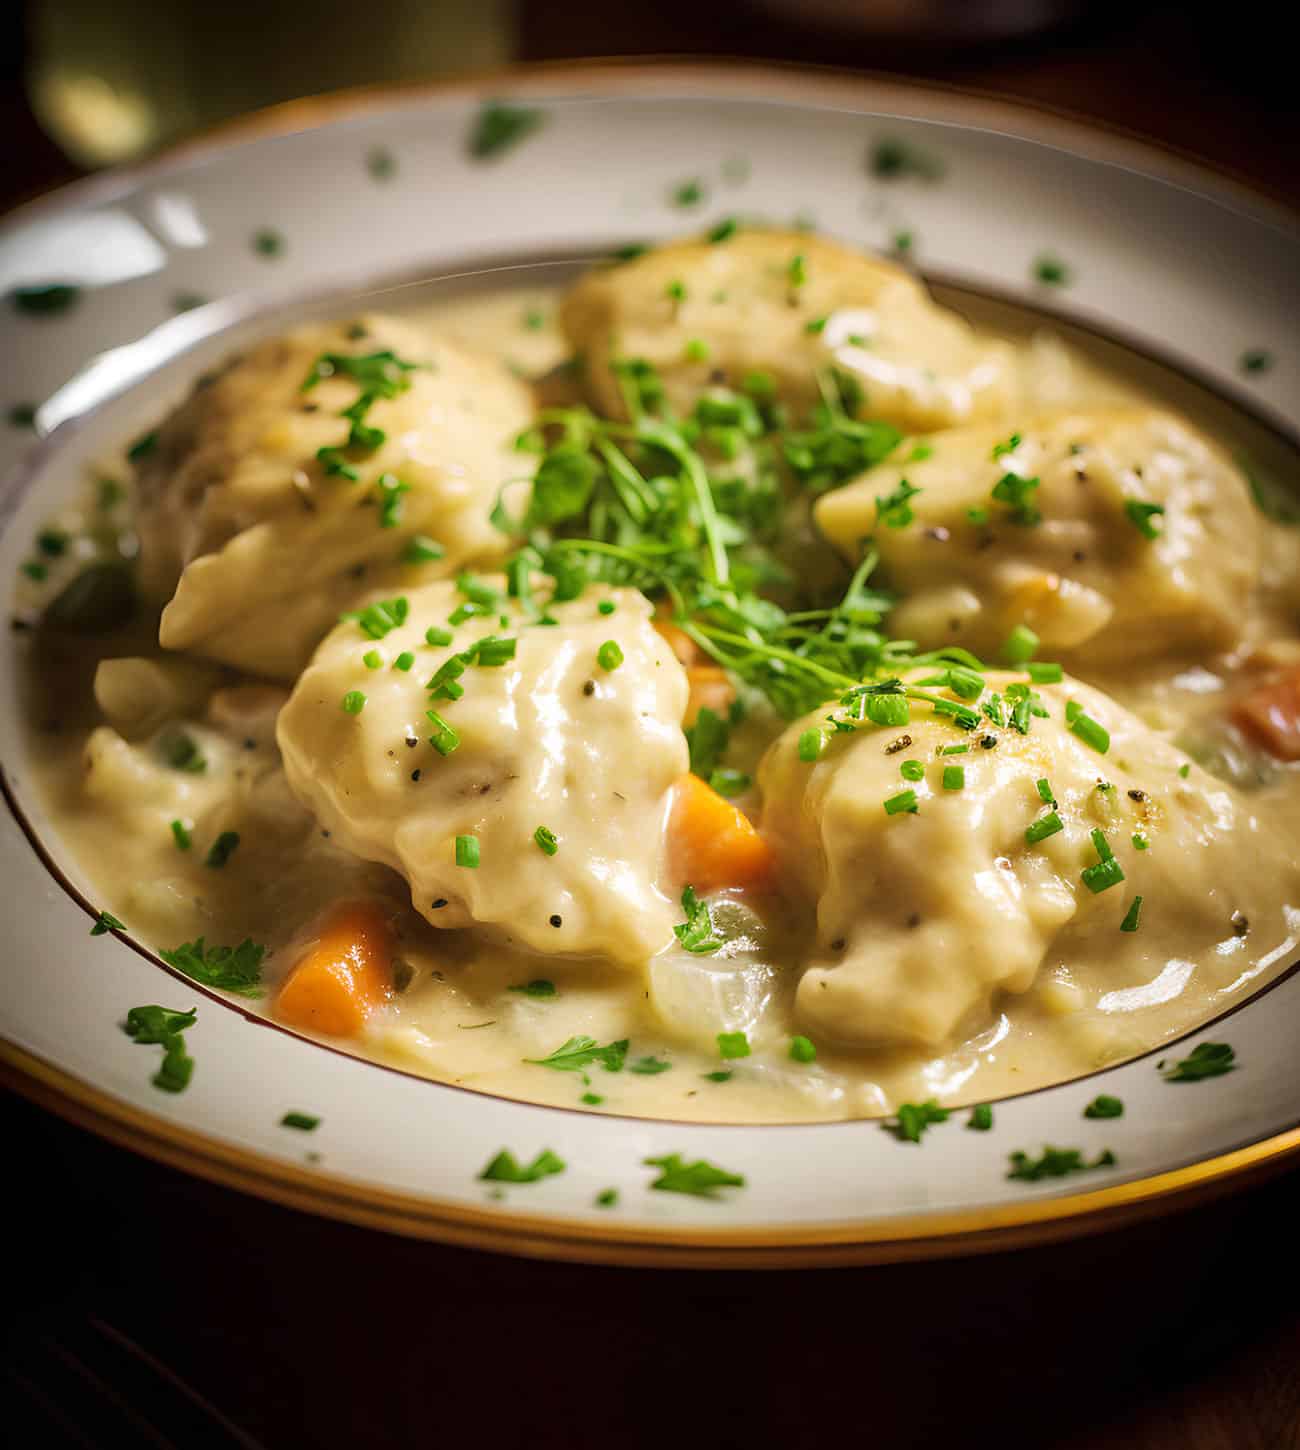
(1172, 260)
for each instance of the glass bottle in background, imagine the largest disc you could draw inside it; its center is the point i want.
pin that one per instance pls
(110, 82)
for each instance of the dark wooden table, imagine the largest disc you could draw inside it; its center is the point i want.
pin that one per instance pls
(1182, 1334)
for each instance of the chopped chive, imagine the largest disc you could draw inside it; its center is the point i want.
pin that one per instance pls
(1090, 732)
(182, 836)
(811, 743)
(1133, 917)
(435, 636)
(1141, 516)
(912, 770)
(34, 569)
(815, 325)
(954, 777)
(981, 1118)
(802, 1049)
(222, 849)
(733, 1044)
(1050, 270)
(697, 350)
(421, 549)
(1107, 872)
(1140, 842)
(720, 1076)
(729, 782)
(688, 193)
(404, 661)
(373, 659)
(606, 606)
(1045, 672)
(1045, 826)
(607, 1198)
(354, 702)
(1044, 789)
(955, 750)
(904, 803)
(445, 738)
(546, 840)
(304, 1122)
(1019, 646)
(467, 853)
(609, 656)
(723, 231)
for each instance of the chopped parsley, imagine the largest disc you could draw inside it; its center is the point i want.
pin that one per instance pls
(499, 127)
(232, 969)
(1104, 1106)
(607, 1198)
(649, 1066)
(696, 933)
(106, 922)
(914, 1118)
(891, 158)
(720, 1076)
(733, 1044)
(303, 1122)
(1056, 1163)
(894, 510)
(707, 740)
(1207, 1059)
(162, 1027)
(381, 163)
(505, 1168)
(1018, 493)
(268, 243)
(222, 849)
(181, 752)
(421, 549)
(701, 1179)
(1256, 360)
(538, 987)
(688, 193)
(981, 1118)
(582, 1052)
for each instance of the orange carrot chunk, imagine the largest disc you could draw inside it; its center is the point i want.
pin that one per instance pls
(713, 844)
(677, 640)
(1270, 713)
(344, 974)
(711, 689)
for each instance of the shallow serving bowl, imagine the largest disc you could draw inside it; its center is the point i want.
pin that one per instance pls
(369, 192)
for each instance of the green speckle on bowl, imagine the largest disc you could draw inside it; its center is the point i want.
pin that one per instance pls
(45, 301)
(688, 193)
(268, 243)
(499, 127)
(22, 415)
(187, 301)
(1049, 271)
(890, 159)
(381, 164)
(1256, 360)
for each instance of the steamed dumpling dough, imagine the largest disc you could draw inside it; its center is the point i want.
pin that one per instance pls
(1086, 575)
(922, 918)
(262, 546)
(550, 738)
(919, 366)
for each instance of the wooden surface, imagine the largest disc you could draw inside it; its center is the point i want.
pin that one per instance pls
(1178, 1335)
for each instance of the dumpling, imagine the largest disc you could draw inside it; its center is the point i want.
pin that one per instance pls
(933, 895)
(792, 305)
(264, 538)
(1122, 530)
(554, 731)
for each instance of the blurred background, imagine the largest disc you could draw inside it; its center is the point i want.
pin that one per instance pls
(87, 84)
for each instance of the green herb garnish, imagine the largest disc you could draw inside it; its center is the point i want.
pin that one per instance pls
(505, 1168)
(696, 933)
(914, 1118)
(700, 1179)
(1208, 1059)
(162, 1027)
(1056, 1163)
(232, 969)
(1104, 1106)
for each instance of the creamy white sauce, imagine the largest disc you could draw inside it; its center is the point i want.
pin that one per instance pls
(459, 1020)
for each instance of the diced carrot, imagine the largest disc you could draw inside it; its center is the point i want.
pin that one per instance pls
(1271, 714)
(345, 973)
(713, 844)
(681, 644)
(711, 689)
